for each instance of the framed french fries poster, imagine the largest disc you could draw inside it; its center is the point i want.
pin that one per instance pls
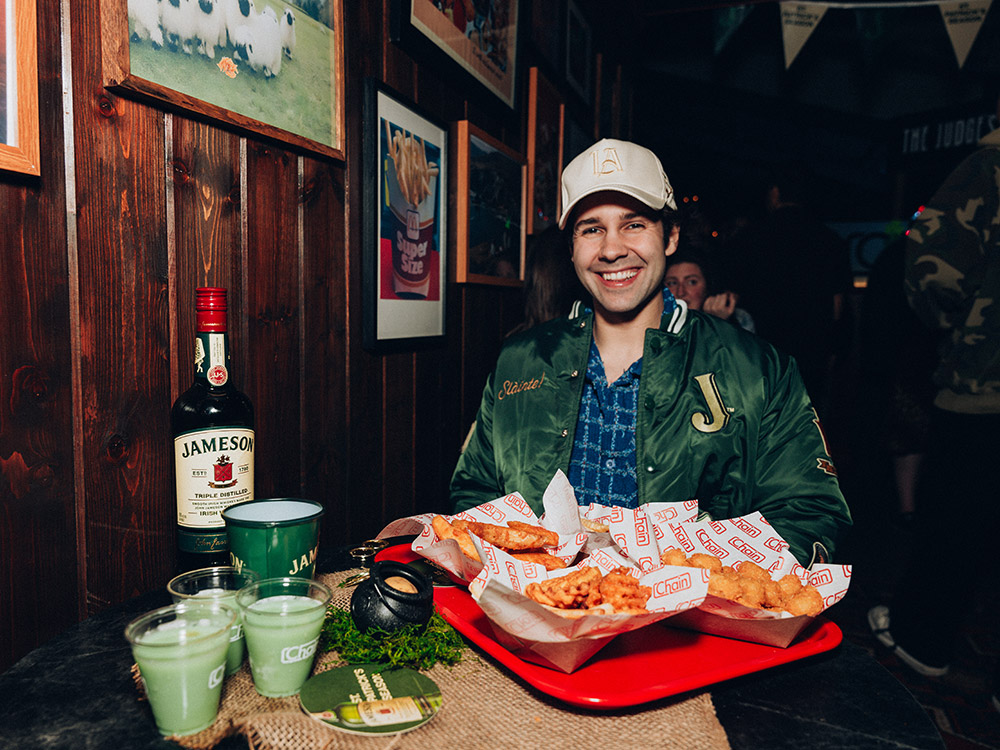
(480, 37)
(405, 228)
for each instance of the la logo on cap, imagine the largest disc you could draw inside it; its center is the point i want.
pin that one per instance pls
(609, 163)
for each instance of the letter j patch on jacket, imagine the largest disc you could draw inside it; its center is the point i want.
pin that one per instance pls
(717, 416)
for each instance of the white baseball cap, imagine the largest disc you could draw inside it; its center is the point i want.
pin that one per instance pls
(620, 166)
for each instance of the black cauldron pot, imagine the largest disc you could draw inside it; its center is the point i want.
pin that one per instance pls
(394, 595)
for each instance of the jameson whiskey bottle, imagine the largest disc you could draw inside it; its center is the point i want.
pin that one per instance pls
(212, 426)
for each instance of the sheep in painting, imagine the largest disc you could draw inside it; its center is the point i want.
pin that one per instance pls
(180, 23)
(211, 27)
(288, 33)
(237, 13)
(144, 15)
(259, 43)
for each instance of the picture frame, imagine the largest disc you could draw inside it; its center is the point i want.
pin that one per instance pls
(485, 51)
(578, 55)
(277, 72)
(404, 194)
(19, 144)
(490, 209)
(546, 117)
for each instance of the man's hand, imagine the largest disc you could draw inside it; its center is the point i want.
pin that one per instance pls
(720, 305)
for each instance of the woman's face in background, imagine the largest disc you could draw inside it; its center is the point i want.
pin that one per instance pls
(686, 281)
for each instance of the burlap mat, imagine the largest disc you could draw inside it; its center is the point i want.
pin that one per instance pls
(484, 707)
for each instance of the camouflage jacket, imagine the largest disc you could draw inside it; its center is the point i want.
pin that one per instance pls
(953, 278)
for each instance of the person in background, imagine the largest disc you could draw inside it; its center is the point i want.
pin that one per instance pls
(952, 278)
(793, 276)
(550, 284)
(638, 399)
(691, 277)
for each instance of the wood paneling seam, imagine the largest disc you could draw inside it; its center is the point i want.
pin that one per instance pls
(73, 288)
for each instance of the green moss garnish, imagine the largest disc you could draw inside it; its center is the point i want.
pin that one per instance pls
(407, 647)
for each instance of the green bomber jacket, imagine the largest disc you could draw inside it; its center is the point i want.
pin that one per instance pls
(722, 418)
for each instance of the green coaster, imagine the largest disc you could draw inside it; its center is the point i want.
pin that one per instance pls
(371, 699)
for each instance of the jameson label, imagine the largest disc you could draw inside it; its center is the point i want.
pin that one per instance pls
(214, 470)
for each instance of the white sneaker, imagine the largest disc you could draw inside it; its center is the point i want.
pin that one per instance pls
(878, 621)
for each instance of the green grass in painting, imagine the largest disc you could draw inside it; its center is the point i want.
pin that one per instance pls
(299, 99)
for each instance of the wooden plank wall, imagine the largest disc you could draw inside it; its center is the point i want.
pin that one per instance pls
(135, 207)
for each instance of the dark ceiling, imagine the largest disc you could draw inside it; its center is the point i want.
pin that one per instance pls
(721, 113)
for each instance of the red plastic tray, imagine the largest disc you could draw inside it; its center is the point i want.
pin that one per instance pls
(637, 667)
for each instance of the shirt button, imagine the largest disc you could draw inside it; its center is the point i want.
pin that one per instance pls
(564, 433)
(583, 324)
(610, 463)
(650, 469)
(575, 374)
(655, 345)
(649, 403)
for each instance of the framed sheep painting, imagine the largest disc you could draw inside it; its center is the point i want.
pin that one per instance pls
(264, 66)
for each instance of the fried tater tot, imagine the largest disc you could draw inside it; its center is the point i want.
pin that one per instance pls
(724, 585)
(774, 598)
(673, 556)
(807, 602)
(751, 592)
(790, 585)
(748, 569)
(709, 562)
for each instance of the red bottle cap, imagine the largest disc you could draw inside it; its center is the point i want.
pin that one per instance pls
(210, 309)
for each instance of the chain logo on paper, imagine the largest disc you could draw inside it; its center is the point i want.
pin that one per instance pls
(215, 678)
(292, 654)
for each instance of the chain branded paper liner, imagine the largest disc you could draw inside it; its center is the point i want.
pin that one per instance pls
(476, 692)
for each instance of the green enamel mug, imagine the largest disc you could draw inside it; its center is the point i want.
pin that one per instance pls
(274, 537)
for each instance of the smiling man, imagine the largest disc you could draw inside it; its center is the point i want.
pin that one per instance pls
(638, 399)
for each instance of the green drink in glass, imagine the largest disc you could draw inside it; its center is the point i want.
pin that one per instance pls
(282, 619)
(181, 653)
(220, 583)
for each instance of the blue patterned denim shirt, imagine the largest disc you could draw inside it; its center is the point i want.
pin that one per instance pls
(602, 464)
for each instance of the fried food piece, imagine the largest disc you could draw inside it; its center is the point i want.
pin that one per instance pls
(724, 585)
(673, 556)
(701, 560)
(550, 562)
(622, 591)
(446, 530)
(807, 601)
(565, 592)
(773, 596)
(506, 537)
(594, 526)
(551, 537)
(790, 585)
(748, 569)
(751, 592)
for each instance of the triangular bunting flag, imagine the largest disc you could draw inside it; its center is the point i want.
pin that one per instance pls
(798, 20)
(963, 20)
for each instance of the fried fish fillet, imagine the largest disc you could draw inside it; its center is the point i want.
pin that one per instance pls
(446, 530)
(550, 562)
(521, 537)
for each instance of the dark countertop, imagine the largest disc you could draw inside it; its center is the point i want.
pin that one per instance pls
(75, 692)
